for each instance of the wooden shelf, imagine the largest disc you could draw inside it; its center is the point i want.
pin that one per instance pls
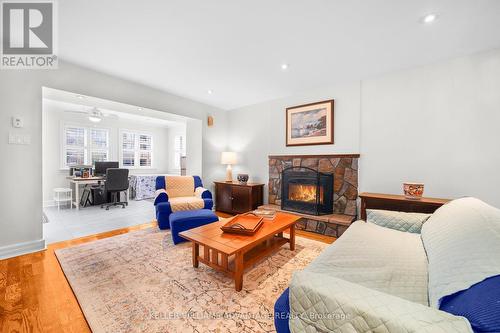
(402, 198)
(399, 203)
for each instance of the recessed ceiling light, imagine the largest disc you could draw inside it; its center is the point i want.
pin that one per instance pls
(284, 67)
(429, 18)
(139, 109)
(210, 92)
(80, 97)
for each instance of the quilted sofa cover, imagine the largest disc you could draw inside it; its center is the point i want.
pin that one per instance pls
(449, 236)
(321, 303)
(372, 279)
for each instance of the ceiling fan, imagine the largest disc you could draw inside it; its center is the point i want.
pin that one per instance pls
(94, 114)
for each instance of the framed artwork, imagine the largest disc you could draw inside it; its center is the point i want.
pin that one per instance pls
(310, 124)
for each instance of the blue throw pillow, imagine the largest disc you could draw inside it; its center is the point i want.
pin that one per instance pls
(480, 304)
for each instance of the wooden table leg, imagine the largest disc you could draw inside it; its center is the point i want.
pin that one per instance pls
(196, 253)
(292, 237)
(238, 271)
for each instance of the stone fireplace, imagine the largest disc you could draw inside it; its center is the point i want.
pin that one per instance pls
(343, 182)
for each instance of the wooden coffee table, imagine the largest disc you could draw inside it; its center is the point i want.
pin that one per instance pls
(232, 253)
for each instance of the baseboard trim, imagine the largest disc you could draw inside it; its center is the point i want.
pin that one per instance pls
(18, 249)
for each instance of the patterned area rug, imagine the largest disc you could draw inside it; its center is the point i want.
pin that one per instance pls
(141, 282)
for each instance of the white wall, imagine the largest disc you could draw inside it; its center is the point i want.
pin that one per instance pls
(259, 130)
(21, 94)
(437, 124)
(54, 118)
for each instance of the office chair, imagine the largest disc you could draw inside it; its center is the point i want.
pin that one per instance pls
(116, 183)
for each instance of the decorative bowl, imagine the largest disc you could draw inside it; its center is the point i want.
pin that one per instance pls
(242, 178)
(413, 190)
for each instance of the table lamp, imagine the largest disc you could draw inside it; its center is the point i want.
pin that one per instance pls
(228, 158)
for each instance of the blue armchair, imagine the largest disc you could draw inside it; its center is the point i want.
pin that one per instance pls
(179, 193)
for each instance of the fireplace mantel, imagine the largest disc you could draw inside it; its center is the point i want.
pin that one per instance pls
(316, 156)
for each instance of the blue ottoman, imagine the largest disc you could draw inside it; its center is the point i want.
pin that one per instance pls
(189, 219)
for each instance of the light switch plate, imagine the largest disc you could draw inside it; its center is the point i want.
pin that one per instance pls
(17, 122)
(19, 139)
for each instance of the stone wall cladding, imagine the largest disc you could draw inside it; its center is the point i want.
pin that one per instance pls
(345, 178)
(320, 227)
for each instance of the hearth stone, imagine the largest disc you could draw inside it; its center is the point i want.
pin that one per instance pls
(329, 225)
(320, 227)
(331, 231)
(301, 224)
(311, 225)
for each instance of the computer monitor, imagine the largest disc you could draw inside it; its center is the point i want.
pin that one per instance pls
(101, 167)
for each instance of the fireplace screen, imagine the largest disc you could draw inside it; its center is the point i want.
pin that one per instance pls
(305, 190)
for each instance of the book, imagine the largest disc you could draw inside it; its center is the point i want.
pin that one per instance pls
(265, 213)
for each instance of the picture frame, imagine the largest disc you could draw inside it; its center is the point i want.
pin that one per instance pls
(310, 124)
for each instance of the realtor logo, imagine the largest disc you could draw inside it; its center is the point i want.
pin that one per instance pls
(28, 33)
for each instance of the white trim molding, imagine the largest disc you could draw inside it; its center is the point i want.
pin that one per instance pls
(18, 249)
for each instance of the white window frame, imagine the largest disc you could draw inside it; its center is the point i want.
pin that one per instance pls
(87, 149)
(92, 149)
(181, 152)
(137, 150)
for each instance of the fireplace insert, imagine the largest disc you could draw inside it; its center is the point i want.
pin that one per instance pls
(305, 190)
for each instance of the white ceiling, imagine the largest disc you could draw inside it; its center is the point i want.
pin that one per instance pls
(236, 47)
(73, 102)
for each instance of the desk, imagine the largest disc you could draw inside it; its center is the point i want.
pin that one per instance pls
(77, 181)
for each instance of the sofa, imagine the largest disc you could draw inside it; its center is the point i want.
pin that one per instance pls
(179, 193)
(403, 272)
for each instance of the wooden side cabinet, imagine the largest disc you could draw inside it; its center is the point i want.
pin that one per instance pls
(399, 203)
(236, 198)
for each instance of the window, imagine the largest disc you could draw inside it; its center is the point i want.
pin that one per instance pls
(179, 150)
(128, 149)
(145, 145)
(74, 146)
(137, 150)
(84, 146)
(99, 145)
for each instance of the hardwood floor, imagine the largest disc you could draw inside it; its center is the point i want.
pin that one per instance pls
(36, 297)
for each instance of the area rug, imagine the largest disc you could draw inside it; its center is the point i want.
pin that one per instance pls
(141, 282)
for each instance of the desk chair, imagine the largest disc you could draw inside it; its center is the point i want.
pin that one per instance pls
(116, 183)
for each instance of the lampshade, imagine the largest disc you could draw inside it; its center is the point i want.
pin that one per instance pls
(228, 157)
